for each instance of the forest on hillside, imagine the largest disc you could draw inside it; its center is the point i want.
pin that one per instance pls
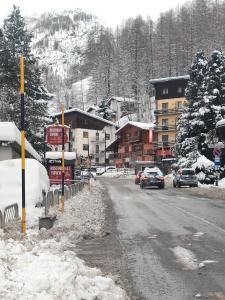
(121, 62)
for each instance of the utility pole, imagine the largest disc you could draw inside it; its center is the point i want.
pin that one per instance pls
(22, 142)
(63, 161)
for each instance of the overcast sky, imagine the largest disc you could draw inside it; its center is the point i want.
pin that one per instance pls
(111, 12)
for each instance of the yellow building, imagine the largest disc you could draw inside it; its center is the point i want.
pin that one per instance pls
(169, 96)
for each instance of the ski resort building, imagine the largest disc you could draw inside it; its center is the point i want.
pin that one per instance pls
(90, 135)
(169, 96)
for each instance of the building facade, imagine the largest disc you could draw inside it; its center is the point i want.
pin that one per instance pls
(170, 99)
(89, 135)
(134, 143)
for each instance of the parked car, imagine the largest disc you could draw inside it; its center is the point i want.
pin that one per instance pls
(152, 177)
(108, 169)
(185, 177)
(138, 177)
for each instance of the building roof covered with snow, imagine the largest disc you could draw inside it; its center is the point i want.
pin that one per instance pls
(74, 111)
(10, 134)
(166, 79)
(140, 125)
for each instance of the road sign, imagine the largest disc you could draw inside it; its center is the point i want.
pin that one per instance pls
(217, 152)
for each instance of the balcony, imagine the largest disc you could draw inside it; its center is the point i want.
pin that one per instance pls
(165, 128)
(166, 144)
(171, 111)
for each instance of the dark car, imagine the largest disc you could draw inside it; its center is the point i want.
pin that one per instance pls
(185, 177)
(152, 177)
(138, 177)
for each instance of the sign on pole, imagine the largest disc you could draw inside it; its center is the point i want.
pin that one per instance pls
(217, 152)
(55, 133)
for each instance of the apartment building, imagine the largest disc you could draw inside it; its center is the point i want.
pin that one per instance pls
(90, 135)
(170, 99)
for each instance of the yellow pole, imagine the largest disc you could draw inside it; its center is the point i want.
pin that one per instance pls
(22, 143)
(63, 161)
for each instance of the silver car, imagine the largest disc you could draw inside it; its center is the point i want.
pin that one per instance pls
(185, 177)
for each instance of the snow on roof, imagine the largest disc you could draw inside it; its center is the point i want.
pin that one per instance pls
(10, 133)
(58, 155)
(84, 113)
(220, 123)
(121, 99)
(202, 162)
(144, 126)
(157, 80)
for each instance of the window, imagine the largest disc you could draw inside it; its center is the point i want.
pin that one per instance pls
(179, 90)
(97, 160)
(97, 136)
(107, 136)
(165, 107)
(164, 124)
(165, 91)
(97, 149)
(84, 121)
(165, 139)
(85, 134)
(85, 147)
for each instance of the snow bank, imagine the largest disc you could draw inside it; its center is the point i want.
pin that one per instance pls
(44, 266)
(10, 189)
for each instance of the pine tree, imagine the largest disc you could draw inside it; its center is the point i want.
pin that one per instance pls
(104, 110)
(17, 41)
(213, 103)
(189, 126)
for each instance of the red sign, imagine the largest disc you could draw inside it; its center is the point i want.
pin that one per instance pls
(217, 152)
(55, 174)
(54, 135)
(164, 152)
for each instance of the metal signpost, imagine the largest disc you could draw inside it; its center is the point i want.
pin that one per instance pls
(217, 153)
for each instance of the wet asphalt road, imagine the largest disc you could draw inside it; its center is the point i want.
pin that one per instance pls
(152, 222)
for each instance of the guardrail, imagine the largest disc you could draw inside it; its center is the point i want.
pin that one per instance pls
(11, 213)
(50, 199)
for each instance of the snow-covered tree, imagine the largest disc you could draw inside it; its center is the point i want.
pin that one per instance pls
(189, 125)
(17, 41)
(104, 110)
(213, 104)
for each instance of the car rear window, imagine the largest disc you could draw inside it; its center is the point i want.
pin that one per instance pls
(188, 172)
(151, 173)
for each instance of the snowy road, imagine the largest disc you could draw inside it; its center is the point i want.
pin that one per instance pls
(174, 242)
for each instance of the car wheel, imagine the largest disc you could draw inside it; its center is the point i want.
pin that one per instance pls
(161, 186)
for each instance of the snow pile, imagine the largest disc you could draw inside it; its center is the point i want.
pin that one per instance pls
(44, 270)
(37, 181)
(185, 257)
(44, 266)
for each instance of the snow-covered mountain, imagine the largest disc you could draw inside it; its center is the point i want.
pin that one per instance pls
(59, 40)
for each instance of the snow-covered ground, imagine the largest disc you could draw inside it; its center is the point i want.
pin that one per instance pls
(43, 265)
